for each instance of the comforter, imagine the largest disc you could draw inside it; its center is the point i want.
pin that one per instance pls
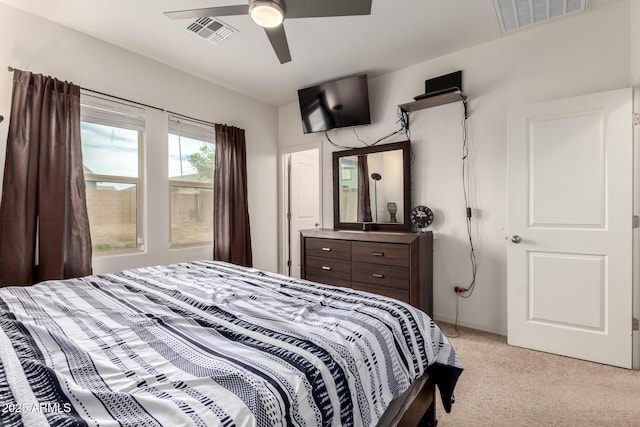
(209, 344)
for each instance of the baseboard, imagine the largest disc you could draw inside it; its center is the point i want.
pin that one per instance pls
(478, 327)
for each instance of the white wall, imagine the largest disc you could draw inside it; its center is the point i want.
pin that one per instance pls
(32, 44)
(578, 55)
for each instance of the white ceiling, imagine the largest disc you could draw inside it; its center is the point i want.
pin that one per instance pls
(397, 34)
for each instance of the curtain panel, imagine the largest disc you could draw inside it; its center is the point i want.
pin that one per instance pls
(231, 231)
(44, 227)
(364, 193)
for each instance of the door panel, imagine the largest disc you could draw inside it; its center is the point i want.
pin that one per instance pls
(556, 279)
(565, 163)
(569, 275)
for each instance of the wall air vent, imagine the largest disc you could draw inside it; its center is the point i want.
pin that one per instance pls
(516, 14)
(211, 29)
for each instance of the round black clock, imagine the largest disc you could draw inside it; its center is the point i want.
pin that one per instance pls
(421, 216)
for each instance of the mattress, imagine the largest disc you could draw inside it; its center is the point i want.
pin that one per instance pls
(210, 344)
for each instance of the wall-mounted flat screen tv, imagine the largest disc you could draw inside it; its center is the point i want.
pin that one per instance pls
(335, 104)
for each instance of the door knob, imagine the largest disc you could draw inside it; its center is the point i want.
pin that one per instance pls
(516, 239)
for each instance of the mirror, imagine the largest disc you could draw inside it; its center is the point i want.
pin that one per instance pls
(371, 188)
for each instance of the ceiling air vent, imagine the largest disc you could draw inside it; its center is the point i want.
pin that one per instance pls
(516, 14)
(212, 29)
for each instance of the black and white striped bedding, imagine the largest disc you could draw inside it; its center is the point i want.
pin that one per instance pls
(207, 344)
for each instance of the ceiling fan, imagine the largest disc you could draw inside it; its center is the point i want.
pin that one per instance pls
(270, 14)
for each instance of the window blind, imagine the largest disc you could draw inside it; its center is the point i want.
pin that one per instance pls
(190, 129)
(104, 111)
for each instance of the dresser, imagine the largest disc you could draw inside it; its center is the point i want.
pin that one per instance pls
(397, 265)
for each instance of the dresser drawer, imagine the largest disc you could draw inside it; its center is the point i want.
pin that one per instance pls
(328, 280)
(328, 267)
(328, 248)
(380, 253)
(380, 275)
(398, 294)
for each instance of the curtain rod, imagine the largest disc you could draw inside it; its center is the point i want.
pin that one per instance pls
(10, 69)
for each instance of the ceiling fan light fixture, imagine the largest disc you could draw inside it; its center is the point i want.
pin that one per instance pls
(266, 13)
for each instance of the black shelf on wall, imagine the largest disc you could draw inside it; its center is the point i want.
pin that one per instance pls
(433, 101)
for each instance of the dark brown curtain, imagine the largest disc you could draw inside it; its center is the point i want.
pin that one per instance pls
(364, 196)
(43, 192)
(231, 232)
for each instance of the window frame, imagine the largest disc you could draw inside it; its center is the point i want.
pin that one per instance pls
(119, 111)
(181, 183)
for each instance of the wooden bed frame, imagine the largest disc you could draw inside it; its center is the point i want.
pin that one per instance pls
(422, 411)
(415, 407)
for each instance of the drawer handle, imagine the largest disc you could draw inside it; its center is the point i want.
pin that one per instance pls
(326, 249)
(378, 276)
(327, 268)
(377, 253)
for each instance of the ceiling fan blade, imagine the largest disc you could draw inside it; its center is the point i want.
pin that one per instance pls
(278, 39)
(241, 9)
(316, 9)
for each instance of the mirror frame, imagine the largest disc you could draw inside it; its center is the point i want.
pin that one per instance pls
(405, 146)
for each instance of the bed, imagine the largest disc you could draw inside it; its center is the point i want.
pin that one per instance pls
(214, 344)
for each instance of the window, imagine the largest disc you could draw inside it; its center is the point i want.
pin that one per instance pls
(112, 135)
(191, 163)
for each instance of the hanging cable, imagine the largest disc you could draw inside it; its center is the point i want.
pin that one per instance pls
(466, 186)
(344, 147)
(466, 292)
(455, 326)
(403, 120)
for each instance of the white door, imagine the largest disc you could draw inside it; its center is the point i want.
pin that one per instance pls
(569, 274)
(302, 202)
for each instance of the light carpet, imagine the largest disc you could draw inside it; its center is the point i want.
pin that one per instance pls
(510, 386)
